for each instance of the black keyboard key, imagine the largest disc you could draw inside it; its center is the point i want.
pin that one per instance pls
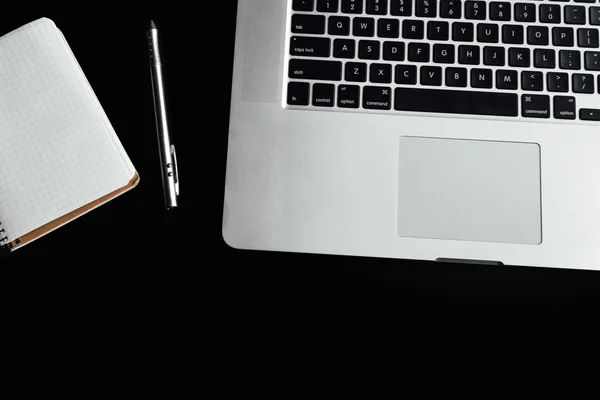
(381, 73)
(570, 59)
(339, 26)
(583, 83)
(500, 11)
(348, 96)
(476, 10)
(315, 69)
(426, 8)
(438, 30)
(494, 56)
(538, 35)
(450, 8)
(377, 7)
(328, 5)
(513, 34)
(352, 6)
(594, 15)
(525, 12)
(388, 28)
(564, 107)
(323, 95)
(310, 46)
(519, 57)
(456, 77)
(507, 79)
(297, 94)
(468, 55)
(544, 58)
(377, 98)
(303, 5)
(355, 72)
(488, 33)
(592, 60)
(406, 75)
(564, 37)
(393, 51)
(363, 27)
(575, 15)
(369, 50)
(401, 8)
(550, 13)
(535, 106)
(443, 53)
(558, 82)
(431, 76)
(456, 102)
(532, 80)
(344, 48)
(481, 78)
(311, 24)
(463, 32)
(413, 29)
(418, 52)
(587, 38)
(589, 114)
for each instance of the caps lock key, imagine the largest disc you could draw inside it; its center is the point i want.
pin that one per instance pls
(310, 46)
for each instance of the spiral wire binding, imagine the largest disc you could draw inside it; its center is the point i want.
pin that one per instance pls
(4, 243)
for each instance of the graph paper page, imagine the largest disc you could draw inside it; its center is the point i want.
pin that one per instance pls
(56, 152)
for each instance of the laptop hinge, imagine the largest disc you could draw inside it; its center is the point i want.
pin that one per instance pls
(459, 261)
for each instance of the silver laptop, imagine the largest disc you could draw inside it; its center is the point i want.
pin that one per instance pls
(446, 130)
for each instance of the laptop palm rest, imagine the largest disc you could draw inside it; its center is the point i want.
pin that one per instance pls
(481, 191)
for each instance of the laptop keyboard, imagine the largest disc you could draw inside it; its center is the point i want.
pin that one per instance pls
(507, 59)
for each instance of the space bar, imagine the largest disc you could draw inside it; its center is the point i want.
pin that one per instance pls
(456, 102)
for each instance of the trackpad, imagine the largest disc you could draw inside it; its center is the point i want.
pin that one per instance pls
(469, 190)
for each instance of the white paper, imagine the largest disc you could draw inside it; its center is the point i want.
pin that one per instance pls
(58, 151)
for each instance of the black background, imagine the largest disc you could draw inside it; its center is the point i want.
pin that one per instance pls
(133, 239)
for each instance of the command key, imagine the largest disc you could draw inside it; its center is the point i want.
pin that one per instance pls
(535, 106)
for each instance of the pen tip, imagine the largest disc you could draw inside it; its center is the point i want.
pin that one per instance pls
(152, 25)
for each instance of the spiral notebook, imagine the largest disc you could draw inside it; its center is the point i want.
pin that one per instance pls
(60, 158)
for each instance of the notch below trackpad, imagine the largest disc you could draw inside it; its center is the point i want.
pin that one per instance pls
(469, 190)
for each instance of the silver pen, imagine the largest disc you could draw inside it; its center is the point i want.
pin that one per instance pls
(168, 156)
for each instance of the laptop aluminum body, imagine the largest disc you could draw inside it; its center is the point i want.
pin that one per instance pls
(400, 184)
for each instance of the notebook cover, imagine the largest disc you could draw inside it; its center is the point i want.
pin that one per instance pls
(44, 230)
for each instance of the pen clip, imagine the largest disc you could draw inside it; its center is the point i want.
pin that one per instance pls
(176, 174)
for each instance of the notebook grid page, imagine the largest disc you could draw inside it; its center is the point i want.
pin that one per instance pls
(55, 153)
(117, 143)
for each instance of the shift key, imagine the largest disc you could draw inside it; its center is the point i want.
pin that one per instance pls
(310, 46)
(317, 70)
